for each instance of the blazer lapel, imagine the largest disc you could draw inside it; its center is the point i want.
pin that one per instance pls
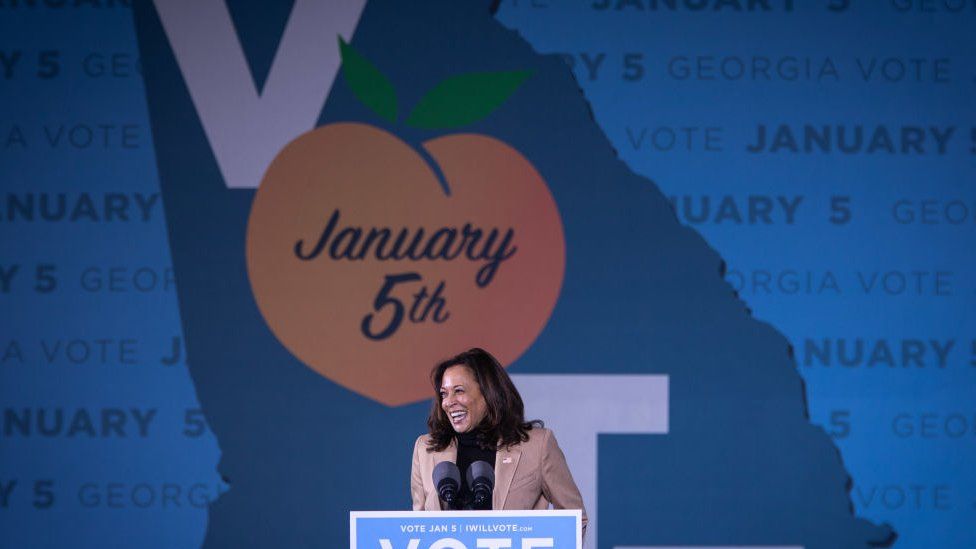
(449, 453)
(506, 461)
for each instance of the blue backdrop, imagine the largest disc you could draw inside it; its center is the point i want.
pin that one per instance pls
(865, 260)
(823, 150)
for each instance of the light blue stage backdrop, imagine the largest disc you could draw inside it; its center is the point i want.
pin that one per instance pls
(859, 250)
(89, 311)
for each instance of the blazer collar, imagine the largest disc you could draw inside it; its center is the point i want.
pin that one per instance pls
(449, 453)
(506, 461)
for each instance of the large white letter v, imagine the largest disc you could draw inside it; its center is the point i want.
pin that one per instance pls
(246, 129)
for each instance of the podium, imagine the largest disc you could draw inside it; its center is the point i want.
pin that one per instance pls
(560, 529)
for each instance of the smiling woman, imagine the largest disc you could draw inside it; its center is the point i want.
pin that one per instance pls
(478, 415)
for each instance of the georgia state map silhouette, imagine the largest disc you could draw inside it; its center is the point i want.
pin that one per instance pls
(641, 294)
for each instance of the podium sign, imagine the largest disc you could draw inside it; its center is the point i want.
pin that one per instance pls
(465, 529)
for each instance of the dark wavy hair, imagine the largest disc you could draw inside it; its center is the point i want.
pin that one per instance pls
(504, 424)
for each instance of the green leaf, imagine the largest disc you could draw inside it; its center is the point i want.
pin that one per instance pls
(465, 99)
(367, 82)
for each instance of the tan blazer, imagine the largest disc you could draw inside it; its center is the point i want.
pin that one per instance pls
(530, 475)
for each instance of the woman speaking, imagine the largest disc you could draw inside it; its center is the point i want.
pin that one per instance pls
(478, 415)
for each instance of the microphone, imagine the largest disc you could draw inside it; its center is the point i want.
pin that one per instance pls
(481, 482)
(447, 480)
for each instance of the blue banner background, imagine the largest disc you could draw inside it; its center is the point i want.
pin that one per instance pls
(907, 433)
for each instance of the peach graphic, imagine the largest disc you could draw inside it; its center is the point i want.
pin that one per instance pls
(369, 266)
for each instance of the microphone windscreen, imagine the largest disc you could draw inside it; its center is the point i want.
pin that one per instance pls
(446, 470)
(481, 469)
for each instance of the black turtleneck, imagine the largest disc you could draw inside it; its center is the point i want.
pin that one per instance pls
(468, 453)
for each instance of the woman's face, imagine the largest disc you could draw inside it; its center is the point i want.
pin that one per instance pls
(461, 398)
